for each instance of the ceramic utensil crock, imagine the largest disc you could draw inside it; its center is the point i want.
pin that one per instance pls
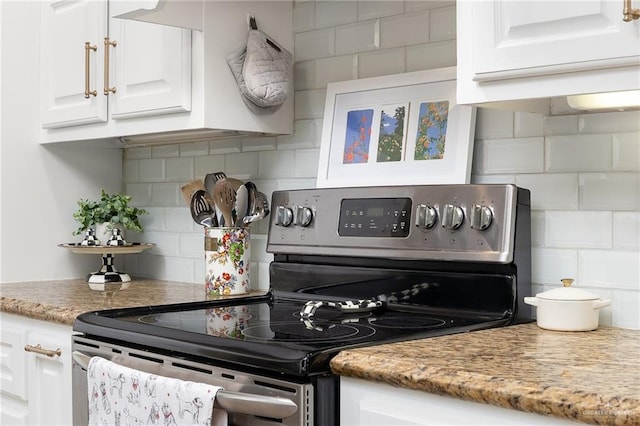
(567, 308)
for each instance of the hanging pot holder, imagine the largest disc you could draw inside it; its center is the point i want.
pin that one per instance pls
(261, 69)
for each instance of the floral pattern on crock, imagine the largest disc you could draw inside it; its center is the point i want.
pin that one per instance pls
(227, 268)
(120, 395)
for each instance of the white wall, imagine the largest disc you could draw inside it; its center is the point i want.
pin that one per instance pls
(39, 185)
(583, 170)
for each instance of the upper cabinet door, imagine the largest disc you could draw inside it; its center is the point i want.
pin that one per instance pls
(525, 38)
(68, 67)
(151, 69)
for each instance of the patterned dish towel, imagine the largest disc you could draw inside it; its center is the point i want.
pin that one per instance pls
(121, 395)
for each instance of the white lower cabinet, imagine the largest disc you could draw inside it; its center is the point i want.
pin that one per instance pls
(365, 403)
(35, 368)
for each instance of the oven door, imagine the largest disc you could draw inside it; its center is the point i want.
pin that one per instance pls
(249, 399)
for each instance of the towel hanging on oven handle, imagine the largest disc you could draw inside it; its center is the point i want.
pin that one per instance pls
(233, 402)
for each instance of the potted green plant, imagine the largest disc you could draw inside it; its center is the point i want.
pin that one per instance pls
(112, 210)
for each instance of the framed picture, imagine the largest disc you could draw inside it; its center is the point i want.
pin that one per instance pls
(396, 130)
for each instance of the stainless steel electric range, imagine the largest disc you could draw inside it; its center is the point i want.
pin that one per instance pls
(352, 267)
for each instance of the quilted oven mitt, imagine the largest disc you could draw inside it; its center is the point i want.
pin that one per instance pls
(261, 69)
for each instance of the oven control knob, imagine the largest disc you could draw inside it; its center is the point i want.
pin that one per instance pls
(284, 216)
(426, 216)
(304, 216)
(481, 217)
(452, 216)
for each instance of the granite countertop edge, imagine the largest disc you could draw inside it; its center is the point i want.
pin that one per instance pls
(39, 311)
(409, 372)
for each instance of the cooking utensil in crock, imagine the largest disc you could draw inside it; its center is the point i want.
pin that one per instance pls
(241, 205)
(224, 195)
(201, 210)
(567, 308)
(260, 211)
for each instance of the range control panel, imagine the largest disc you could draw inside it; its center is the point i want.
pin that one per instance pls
(450, 222)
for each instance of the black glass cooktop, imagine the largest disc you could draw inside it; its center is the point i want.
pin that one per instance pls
(269, 331)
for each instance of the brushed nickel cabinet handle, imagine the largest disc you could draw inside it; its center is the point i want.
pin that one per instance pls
(87, 48)
(38, 349)
(629, 13)
(107, 43)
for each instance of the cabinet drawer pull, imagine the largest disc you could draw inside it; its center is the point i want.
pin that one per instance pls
(107, 43)
(38, 349)
(629, 12)
(87, 91)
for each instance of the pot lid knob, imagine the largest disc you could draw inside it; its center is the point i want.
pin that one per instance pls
(566, 282)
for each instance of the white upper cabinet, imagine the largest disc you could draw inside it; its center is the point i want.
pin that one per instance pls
(95, 69)
(510, 50)
(157, 83)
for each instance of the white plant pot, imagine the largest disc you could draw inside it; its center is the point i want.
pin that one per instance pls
(104, 231)
(567, 309)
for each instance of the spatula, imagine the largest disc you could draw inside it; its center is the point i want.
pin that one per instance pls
(225, 198)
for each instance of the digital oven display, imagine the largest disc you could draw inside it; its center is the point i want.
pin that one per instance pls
(375, 217)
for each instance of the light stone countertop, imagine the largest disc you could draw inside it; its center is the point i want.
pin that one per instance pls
(61, 301)
(592, 377)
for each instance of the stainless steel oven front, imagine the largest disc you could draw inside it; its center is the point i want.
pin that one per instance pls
(250, 399)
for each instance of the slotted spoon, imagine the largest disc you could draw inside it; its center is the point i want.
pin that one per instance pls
(201, 211)
(224, 195)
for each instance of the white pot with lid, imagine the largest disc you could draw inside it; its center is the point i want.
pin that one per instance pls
(567, 308)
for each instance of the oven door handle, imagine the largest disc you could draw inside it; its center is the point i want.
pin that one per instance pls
(234, 402)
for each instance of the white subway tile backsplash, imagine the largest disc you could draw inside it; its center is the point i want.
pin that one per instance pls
(309, 104)
(528, 124)
(306, 163)
(550, 265)
(276, 164)
(315, 44)
(166, 243)
(178, 269)
(494, 123)
(137, 153)
(152, 267)
(626, 151)
(303, 16)
(611, 269)
(130, 171)
(225, 146)
(610, 191)
(304, 136)
(165, 151)
(140, 193)
(626, 231)
(537, 229)
(381, 62)
(551, 191)
(179, 169)
(578, 229)
(155, 220)
(431, 55)
(208, 164)
(578, 153)
(194, 148)
(178, 219)
(338, 68)
(561, 125)
(524, 155)
(332, 13)
(304, 75)
(404, 30)
(166, 194)
(151, 170)
(359, 37)
(625, 306)
(242, 166)
(378, 9)
(192, 245)
(258, 144)
(610, 122)
(501, 179)
(413, 5)
(442, 24)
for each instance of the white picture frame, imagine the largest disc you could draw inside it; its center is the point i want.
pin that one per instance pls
(367, 139)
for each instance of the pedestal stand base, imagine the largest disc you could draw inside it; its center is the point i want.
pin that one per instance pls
(108, 278)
